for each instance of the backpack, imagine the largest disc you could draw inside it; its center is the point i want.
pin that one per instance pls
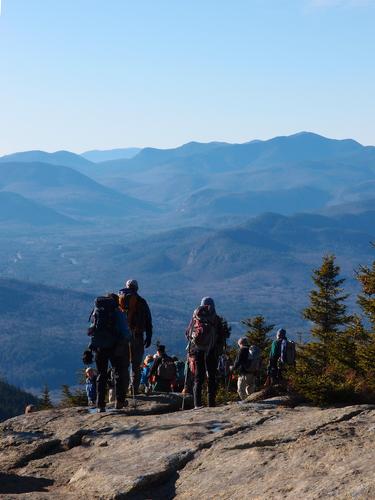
(102, 329)
(201, 333)
(166, 369)
(136, 309)
(290, 353)
(254, 361)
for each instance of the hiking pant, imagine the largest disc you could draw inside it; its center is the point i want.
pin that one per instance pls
(245, 385)
(204, 364)
(102, 357)
(275, 371)
(136, 358)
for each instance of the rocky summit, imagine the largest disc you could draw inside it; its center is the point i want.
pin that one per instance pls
(255, 450)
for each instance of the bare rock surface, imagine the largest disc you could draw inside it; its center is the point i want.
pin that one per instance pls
(256, 450)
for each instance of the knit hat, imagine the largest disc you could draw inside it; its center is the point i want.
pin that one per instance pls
(208, 301)
(243, 341)
(132, 284)
(281, 334)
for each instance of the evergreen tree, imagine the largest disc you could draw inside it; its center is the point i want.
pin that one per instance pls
(226, 328)
(366, 276)
(366, 343)
(76, 398)
(327, 309)
(45, 400)
(257, 333)
(325, 371)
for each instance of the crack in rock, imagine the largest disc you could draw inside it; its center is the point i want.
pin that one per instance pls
(343, 418)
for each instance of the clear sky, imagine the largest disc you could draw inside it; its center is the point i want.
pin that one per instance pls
(83, 74)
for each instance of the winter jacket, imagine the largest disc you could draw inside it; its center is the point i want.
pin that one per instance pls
(278, 350)
(137, 310)
(145, 374)
(91, 389)
(242, 361)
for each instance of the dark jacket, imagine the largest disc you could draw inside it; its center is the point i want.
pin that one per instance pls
(138, 312)
(242, 361)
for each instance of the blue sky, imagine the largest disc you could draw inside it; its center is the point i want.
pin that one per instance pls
(82, 74)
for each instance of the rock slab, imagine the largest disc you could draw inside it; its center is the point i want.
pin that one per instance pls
(238, 451)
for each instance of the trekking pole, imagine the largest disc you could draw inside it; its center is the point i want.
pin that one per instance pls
(186, 377)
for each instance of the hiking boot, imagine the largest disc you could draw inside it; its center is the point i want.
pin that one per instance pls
(101, 410)
(198, 407)
(119, 405)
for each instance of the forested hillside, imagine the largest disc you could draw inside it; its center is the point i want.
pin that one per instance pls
(13, 401)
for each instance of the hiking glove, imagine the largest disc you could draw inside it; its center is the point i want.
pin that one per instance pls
(148, 340)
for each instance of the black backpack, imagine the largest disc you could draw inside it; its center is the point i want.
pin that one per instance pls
(167, 369)
(102, 330)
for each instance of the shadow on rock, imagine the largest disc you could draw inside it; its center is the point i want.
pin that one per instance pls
(11, 483)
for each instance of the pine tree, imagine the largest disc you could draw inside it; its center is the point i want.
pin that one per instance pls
(366, 343)
(257, 333)
(225, 327)
(45, 400)
(68, 398)
(366, 276)
(326, 368)
(327, 309)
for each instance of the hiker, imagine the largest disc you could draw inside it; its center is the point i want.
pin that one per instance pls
(140, 322)
(206, 343)
(242, 364)
(110, 338)
(145, 373)
(178, 386)
(163, 371)
(277, 358)
(90, 384)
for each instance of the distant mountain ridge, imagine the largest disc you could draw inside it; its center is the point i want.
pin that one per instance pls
(101, 155)
(17, 209)
(66, 190)
(63, 158)
(342, 168)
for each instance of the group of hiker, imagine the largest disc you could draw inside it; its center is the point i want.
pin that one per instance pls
(120, 330)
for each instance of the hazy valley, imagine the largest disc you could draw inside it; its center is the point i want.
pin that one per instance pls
(244, 222)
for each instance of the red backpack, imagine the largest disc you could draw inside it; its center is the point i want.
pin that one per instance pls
(202, 331)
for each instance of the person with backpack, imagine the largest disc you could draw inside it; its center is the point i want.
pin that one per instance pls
(90, 385)
(110, 338)
(140, 323)
(246, 373)
(206, 338)
(282, 353)
(145, 373)
(163, 371)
